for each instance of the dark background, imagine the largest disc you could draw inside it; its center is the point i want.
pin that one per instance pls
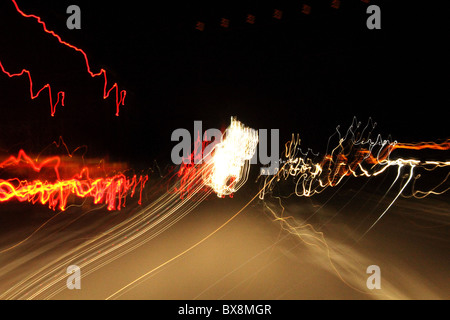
(304, 73)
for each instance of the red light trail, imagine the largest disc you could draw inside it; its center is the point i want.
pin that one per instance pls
(120, 94)
(111, 191)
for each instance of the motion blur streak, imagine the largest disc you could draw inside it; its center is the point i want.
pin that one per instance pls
(120, 95)
(110, 190)
(92, 255)
(144, 226)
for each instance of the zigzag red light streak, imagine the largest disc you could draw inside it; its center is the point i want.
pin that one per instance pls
(120, 95)
(111, 190)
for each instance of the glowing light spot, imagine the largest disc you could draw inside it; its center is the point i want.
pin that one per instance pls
(228, 166)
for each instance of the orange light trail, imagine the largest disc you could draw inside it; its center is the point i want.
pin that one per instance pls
(349, 158)
(111, 191)
(120, 94)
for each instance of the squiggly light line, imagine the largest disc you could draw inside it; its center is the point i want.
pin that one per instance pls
(351, 157)
(120, 95)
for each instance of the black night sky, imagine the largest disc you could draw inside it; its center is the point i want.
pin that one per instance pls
(302, 74)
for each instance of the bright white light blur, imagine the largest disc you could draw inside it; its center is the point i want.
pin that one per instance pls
(229, 164)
